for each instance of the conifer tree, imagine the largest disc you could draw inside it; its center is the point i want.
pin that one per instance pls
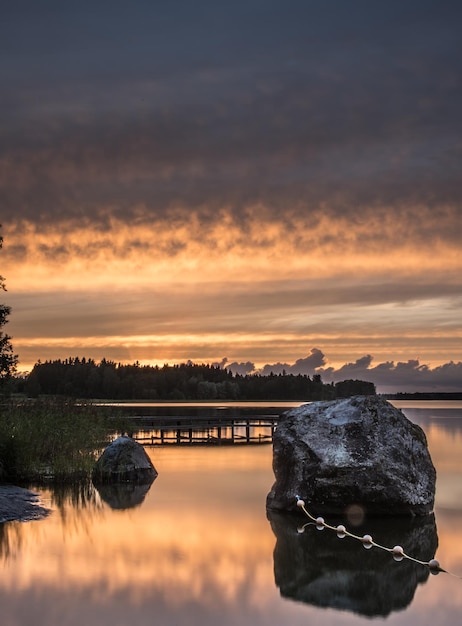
(8, 360)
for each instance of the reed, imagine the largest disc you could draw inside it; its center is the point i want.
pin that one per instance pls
(51, 439)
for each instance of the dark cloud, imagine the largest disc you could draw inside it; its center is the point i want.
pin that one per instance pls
(132, 130)
(350, 369)
(307, 365)
(408, 376)
(274, 368)
(241, 368)
(389, 377)
(310, 363)
(340, 108)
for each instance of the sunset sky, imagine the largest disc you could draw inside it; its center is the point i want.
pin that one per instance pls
(258, 183)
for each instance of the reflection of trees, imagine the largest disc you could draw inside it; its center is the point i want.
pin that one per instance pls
(76, 504)
(316, 567)
(10, 539)
(77, 496)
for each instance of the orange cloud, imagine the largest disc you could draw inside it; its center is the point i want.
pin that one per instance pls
(191, 250)
(249, 286)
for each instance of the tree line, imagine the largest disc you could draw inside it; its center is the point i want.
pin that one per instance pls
(84, 378)
(8, 360)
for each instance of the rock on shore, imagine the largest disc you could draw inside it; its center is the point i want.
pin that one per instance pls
(359, 451)
(20, 505)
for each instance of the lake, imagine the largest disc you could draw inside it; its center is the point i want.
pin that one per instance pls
(197, 548)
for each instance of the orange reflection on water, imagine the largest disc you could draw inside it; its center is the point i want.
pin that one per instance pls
(445, 445)
(185, 542)
(199, 542)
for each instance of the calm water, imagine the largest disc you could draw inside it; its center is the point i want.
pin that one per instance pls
(199, 549)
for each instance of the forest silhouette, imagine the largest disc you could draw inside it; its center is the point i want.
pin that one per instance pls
(84, 378)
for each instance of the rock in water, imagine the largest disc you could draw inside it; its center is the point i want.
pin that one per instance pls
(357, 452)
(124, 460)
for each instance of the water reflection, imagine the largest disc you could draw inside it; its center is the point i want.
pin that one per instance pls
(76, 496)
(73, 503)
(446, 419)
(10, 540)
(123, 495)
(317, 568)
(199, 550)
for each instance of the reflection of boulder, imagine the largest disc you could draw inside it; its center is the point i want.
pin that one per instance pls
(318, 568)
(123, 495)
(360, 450)
(124, 460)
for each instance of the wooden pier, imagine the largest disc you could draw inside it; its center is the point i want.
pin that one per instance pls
(184, 430)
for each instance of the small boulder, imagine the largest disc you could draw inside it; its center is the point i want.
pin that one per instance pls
(358, 453)
(124, 460)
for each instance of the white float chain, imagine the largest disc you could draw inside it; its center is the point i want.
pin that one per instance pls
(367, 541)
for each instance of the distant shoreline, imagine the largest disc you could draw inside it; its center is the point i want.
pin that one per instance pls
(423, 395)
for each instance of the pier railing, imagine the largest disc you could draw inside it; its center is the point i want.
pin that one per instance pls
(186, 430)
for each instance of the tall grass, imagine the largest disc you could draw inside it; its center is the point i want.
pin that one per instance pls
(53, 438)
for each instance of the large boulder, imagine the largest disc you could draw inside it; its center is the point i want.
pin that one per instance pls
(124, 460)
(360, 454)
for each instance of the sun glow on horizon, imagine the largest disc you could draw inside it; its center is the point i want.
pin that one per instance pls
(264, 291)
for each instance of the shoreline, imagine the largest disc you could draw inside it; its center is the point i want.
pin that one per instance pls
(20, 505)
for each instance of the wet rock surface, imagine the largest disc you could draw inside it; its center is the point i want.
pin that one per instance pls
(20, 505)
(357, 451)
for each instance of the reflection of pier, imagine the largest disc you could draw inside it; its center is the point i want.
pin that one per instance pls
(187, 430)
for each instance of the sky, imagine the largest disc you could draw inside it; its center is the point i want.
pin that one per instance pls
(263, 184)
